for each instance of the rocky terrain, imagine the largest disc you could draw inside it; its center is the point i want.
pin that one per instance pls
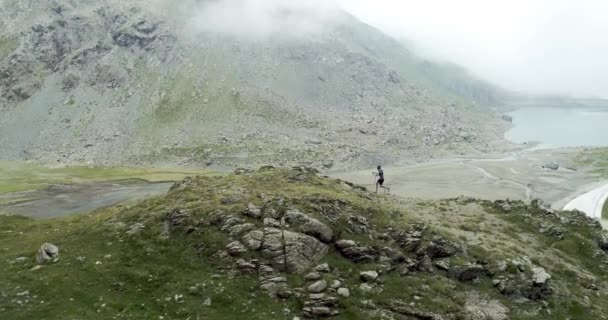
(123, 83)
(290, 244)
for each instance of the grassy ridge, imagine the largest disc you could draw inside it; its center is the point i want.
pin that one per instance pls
(128, 263)
(15, 177)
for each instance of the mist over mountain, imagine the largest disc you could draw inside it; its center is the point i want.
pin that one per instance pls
(207, 82)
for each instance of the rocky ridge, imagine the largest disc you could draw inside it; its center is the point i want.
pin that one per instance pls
(317, 247)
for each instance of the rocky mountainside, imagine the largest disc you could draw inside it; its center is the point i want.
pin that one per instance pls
(121, 82)
(289, 244)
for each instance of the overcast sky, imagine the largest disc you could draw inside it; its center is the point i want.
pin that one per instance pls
(539, 46)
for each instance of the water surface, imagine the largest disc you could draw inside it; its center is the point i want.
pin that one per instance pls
(559, 127)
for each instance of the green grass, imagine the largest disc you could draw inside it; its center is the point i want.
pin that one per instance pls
(7, 46)
(595, 159)
(16, 176)
(605, 211)
(139, 275)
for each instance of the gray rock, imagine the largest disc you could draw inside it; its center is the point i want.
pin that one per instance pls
(551, 165)
(273, 223)
(366, 287)
(319, 311)
(355, 252)
(313, 276)
(323, 268)
(253, 211)
(253, 240)
(469, 272)
(478, 308)
(21, 260)
(344, 292)
(230, 222)
(410, 312)
(207, 302)
(307, 225)
(425, 264)
(47, 252)
(343, 244)
(291, 251)
(439, 247)
(442, 265)
(318, 286)
(240, 229)
(336, 284)
(236, 248)
(369, 276)
(540, 276)
(244, 265)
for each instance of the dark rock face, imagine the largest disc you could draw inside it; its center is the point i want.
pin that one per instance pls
(357, 252)
(320, 305)
(468, 273)
(410, 312)
(439, 247)
(603, 241)
(535, 286)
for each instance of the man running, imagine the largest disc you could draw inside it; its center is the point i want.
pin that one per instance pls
(380, 179)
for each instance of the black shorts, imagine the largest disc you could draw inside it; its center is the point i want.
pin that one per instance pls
(381, 181)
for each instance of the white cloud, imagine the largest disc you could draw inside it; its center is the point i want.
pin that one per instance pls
(263, 18)
(538, 46)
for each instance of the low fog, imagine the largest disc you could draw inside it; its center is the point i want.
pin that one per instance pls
(263, 18)
(538, 47)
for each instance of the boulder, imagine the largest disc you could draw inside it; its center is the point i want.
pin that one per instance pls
(425, 264)
(369, 276)
(324, 268)
(313, 276)
(293, 252)
(253, 211)
(469, 272)
(551, 165)
(318, 286)
(410, 312)
(439, 247)
(357, 252)
(47, 253)
(343, 292)
(442, 265)
(307, 225)
(539, 276)
(253, 240)
(236, 248)
(320, 305)
(240, 229)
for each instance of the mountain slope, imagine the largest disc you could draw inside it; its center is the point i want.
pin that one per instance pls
(282, 244)
(116, 82)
